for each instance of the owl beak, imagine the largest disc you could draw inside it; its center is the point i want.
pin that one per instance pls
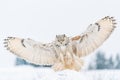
(61, 42)
(63, 48)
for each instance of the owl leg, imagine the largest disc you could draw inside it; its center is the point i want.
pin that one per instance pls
(78, 64)
(58, 66)
(74, 64)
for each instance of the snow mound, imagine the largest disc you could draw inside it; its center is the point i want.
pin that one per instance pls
(29, 73)
(64, 75)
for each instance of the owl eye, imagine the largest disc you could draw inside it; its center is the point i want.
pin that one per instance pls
(57, 45)
(66, 44)
(58, 40)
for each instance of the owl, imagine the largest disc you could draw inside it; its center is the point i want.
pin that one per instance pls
(63, 52)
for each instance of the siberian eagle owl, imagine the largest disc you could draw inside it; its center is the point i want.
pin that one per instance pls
(64, 52)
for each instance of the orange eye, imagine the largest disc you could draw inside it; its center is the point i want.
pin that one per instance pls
(66, 44)
(57, 45)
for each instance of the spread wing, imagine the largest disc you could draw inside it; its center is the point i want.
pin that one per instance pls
(93, 37)
(31, 50)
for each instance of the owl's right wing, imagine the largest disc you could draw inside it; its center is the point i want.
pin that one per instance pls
(31, 51)
(94, 36)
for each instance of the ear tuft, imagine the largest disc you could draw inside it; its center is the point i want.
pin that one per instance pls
(56, 36)
(64, 35)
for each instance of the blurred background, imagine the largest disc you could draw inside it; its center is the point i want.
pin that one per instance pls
(41, 20)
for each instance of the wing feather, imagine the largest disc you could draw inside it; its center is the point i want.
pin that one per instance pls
(32, 51)
(94, 36)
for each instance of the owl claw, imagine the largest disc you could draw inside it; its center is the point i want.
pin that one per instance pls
(108, 17)
(113, 20)
(112, 17)
(5, 39)
(5, 42)
(114, 26)
(5, 45)
(8, 48)
(11, 37)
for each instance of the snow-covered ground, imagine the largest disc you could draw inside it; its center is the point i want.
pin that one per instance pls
(29, 73)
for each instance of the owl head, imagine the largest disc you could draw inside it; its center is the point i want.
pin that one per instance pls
(61, 40)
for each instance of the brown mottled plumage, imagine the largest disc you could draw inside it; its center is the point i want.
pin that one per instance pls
(64, 52)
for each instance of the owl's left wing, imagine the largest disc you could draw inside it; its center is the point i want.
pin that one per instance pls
(93, 37)
(31, 51)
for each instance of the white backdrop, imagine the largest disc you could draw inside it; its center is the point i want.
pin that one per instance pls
(41, 20)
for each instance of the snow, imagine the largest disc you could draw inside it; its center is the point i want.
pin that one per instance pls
(41, 20)
(29, 73)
